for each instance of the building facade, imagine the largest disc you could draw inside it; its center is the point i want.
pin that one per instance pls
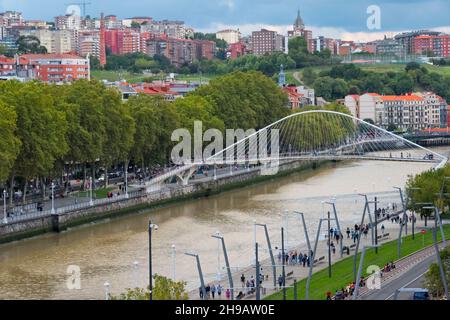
(406, 39)
(267, 42)
(410, 112)
(438, 45)
(59, 68)
(181, 51)
(229, 36)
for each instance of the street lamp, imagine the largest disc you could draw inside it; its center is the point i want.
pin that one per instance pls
(136, 266)
(405, 216)
(174, 262)
(414, 210)
(53, 198)
(358, 240)
(199, 268)
(5, 217)
(219, 276)
(341, 236)
(358, 278)
(272, 259)
(438, 254)
(227, 263)
(151, 226)
(126, 181)
(106, 285)
(91, 202)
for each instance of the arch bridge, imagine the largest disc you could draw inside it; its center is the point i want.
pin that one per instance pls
(308, 136)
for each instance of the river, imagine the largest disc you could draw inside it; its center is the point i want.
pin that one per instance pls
(36, 268)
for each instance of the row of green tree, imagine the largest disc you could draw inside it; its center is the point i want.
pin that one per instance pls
(429, 187)
(345, 79)
(49, 129)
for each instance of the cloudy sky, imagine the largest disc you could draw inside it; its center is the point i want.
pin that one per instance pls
(335, 18)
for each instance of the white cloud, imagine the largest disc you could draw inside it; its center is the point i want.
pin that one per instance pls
(329, 32)
(228, 3)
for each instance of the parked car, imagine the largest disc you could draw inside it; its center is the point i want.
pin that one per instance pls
(421, 295)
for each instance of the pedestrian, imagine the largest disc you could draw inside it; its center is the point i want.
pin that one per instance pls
(280, 281)
(200, 293)
(348, 233)
(213, 290)
(243, 280)
(228, 294)
(382, 229)
(219, 291)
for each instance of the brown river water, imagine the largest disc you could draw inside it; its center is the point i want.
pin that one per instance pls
(106, 251)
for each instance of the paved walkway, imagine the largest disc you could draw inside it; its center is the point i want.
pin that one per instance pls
(299, 272)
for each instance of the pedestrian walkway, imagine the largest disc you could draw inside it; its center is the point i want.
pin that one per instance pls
(298, 272)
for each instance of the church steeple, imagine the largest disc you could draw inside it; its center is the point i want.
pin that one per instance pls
(299, 24)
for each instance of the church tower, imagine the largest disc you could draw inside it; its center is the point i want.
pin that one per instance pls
(299, 24)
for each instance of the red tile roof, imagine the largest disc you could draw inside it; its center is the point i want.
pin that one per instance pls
(401, 98)
(51, 56)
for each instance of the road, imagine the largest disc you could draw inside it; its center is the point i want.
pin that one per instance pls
(410, 273)
(296, 76)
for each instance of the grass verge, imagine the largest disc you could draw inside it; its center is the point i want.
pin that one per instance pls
(342, 271)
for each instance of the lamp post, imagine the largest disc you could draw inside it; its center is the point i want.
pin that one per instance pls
(227, 264)
(53, 198)
(272, 259)
(404, 222)
(254, 238)
(5, 216)
(311, 260)
(358, 240)
(151, 226)
(286, 224)
(199, 268)
(126, 181)
(376, 224)
(283, 260)
(305, 230)
(414, 210)
(136, 266)
(219, 276)
(174, 262)
(329, 245)
(358, 278)
(106, 285)
(257, 278)
(436, 248)
(91, 201)
(341, 236)
(405, 216)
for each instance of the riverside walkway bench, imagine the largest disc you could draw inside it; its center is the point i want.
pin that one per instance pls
(290, 275)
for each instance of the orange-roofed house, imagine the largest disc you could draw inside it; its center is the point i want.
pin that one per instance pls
(408, 112)
(296, 100)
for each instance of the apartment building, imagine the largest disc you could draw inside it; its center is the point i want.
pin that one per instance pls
(55, 41)
(68, 22)
(229, 36)
(408, 112)
(267, 42)
(438, 45)
(181, 51)
(59, 68)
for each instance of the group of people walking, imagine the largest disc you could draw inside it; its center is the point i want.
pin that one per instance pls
(212, 291)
